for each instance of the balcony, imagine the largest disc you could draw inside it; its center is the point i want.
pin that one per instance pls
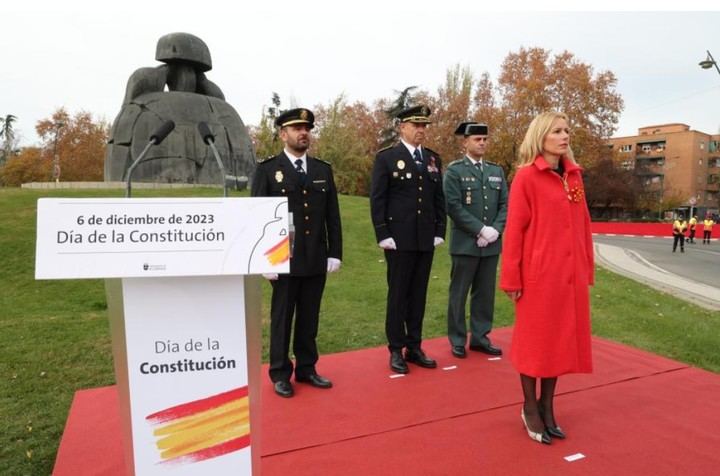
(649, 167)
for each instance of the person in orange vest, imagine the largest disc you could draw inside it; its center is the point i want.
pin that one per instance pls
(693, 223)
(707, 229)
(679, 227)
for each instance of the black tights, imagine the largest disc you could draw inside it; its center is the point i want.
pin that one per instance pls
(538, 413)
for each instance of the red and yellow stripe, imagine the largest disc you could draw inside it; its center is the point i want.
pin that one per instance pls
(204, 428)
(279, 253)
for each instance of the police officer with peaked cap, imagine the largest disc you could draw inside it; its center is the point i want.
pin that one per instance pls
(408, 213)
(476, 196)
(308, 184)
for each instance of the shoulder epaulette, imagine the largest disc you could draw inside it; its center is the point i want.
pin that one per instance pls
(323, 161)
(431, 151)
(490, 163)
(386, 148)
(455, 162)
(266, 159)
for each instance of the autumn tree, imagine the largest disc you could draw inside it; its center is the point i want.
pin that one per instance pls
(450, 107)
(264, 135)
(532, 81)
(347, 136)
(79, 143)
(29, 165)
(610, 187)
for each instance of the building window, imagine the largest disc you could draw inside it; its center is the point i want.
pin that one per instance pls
(702, 145)
(699, 161)
(712, 178)
(646, 148)
(626, 148)
(661, 147)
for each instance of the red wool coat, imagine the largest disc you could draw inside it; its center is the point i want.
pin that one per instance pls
(548, 254)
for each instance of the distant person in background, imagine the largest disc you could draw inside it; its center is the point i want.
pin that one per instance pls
(693, 224)
(679, 227)
(707, 229)
(546, 269)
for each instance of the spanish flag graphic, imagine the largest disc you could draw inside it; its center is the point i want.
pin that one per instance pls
(203, 429)
(279, 253)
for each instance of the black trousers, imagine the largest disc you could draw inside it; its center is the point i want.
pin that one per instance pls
(681, 239)
(706, 236)
(408, 273)
(691, 238)
(297, 296)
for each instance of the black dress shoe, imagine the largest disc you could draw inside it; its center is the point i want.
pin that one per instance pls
(397, 363)
(459, 351)
(315, 380)
(418, 357)
(284, 389)
(486, 349)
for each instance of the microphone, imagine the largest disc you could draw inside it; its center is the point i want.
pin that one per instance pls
(162, 132)
(205, 133)
(209, 139)
(156, 138)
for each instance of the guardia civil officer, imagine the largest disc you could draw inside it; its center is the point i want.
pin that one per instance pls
(408, 214)
(476, 199)
(308, 184)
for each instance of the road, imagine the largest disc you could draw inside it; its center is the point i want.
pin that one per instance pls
(699, 263)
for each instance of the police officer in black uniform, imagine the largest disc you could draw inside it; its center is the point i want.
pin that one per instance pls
(308, 184)
(408, 212)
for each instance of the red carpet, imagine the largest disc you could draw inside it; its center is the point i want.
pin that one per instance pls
(637, 414)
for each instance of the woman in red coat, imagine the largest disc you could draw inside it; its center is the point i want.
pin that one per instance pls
(547, 267)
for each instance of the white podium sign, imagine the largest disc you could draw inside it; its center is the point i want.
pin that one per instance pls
(185, 320)
(122, 238)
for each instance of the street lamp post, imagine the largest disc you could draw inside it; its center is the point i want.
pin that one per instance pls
(56, 157)
(709, 62)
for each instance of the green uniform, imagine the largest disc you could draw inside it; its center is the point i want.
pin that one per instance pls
(475, 197)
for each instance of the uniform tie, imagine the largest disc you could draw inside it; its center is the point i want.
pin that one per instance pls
(478, 165)
(299, 169)
(418, 158)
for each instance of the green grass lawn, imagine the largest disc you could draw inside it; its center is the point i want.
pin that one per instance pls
(54, 335)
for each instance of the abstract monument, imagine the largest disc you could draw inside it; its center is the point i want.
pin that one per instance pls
(178, 90)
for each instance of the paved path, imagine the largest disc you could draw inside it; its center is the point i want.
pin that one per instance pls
(632, 264)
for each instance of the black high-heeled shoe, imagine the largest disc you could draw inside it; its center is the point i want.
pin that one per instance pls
(554, 431)
(540, 437)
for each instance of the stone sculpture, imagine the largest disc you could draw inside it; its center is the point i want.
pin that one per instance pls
(178, 90)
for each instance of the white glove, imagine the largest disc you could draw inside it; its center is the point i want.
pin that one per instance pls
(333, 264)
(270, 276)
(387, 244)
(438, 241)
(482, 242)
(489, 233)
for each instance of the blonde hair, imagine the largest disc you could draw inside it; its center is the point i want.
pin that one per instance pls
(538, 129)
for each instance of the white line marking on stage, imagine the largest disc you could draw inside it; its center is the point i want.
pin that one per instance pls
(495, 358)
(574, 457)
(451, 367)
(397, 375)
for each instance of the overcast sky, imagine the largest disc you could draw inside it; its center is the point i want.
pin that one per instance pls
(80, 54)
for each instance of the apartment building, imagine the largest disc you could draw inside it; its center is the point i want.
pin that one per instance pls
(674, 161)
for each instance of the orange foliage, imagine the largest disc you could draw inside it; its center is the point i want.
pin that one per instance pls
(81, 144)
(27, 166)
